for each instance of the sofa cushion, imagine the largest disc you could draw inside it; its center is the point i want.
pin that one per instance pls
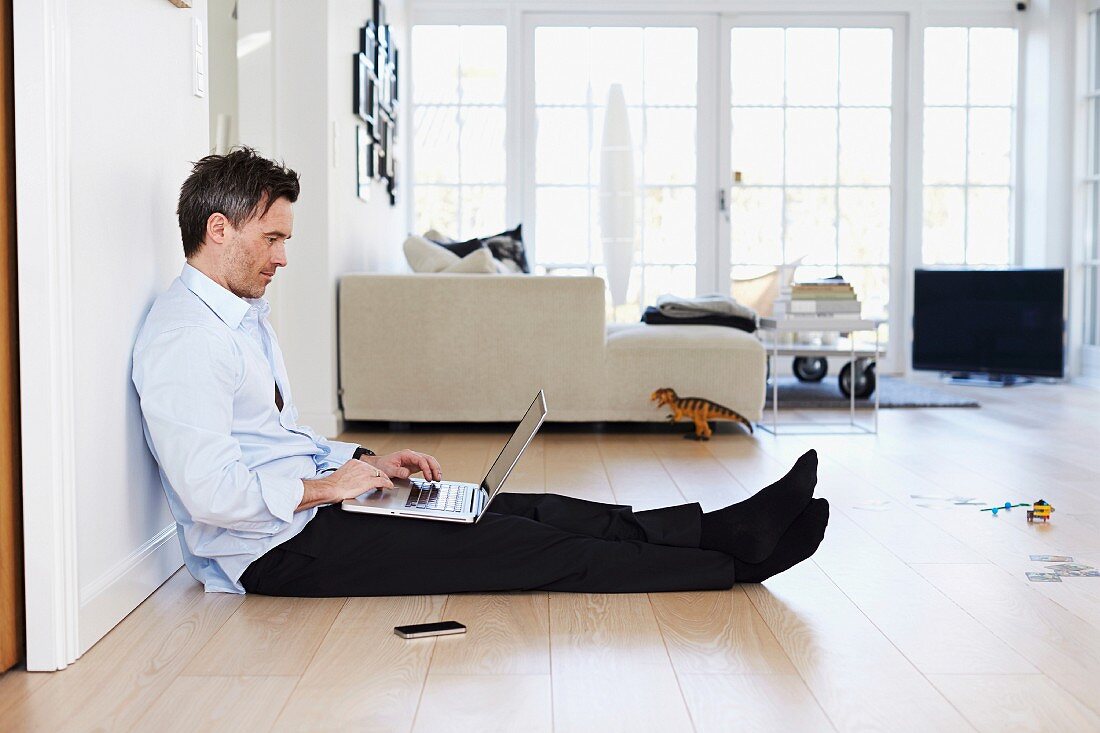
(506, 247)
(481, 260)
(426, 256)
(626, 336)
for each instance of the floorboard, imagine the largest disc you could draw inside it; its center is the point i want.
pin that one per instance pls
(915, 615)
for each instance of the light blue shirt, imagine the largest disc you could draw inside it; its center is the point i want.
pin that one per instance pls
(206, 363)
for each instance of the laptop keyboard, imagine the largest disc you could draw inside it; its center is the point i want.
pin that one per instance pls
(443, 496)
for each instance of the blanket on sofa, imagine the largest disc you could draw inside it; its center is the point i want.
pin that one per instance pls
(655, 317)
(674, 306)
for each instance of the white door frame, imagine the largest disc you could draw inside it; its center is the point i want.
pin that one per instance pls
(900, 265)
(47, 381)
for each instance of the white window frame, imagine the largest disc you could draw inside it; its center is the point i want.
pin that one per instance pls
(969, 21)
(464, 16)
(1087, 361)
(892, 361)
(705, 148)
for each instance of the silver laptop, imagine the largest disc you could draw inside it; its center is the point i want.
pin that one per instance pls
(452, 501)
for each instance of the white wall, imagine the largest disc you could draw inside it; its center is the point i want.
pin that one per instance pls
(296, 106)
(106, 125)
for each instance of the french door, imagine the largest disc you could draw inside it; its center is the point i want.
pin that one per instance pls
(811, 149)
(758, 139)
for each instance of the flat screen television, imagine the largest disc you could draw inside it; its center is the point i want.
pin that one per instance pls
(1003, 323)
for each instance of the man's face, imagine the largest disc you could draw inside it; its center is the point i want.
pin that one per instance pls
(254, 252)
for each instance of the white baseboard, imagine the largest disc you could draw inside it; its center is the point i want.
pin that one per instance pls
(109, 598)
(328, 424)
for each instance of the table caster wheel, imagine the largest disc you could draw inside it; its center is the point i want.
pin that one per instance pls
(865, 381)
(810, 368)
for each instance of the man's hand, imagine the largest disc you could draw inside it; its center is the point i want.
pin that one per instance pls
(350, 480)
(405, 463)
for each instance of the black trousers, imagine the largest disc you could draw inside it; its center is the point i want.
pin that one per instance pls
(526, 542)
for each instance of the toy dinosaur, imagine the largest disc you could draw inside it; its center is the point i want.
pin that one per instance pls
(699, 410)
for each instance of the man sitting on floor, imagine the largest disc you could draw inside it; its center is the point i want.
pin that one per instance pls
(256, 496)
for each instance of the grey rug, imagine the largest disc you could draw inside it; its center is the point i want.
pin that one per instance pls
(893, 392)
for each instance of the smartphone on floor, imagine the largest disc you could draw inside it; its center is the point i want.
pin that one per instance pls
(416, 631)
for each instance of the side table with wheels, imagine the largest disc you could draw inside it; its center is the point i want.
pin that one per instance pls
(810, 363)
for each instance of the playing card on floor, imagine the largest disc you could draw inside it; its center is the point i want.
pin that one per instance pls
(1051, 558)
(1044, 577)
(1070, 566)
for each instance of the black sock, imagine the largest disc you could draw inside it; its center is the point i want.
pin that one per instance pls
(749, 530)
(797, 544)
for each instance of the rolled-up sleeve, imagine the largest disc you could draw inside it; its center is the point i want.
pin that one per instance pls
(186, 379)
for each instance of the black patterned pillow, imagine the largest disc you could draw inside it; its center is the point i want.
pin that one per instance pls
(506, 247)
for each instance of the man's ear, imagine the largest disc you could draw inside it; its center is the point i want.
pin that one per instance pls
(217, 228)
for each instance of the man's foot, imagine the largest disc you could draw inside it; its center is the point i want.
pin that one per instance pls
(749, 530)
(797, 544)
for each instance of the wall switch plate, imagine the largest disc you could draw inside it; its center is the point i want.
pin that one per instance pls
(198, 56)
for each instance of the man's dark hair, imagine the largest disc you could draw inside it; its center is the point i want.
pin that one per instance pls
(236, 185)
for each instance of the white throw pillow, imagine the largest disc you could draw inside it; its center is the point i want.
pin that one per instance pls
(437, 236)
(479, 261)
(425, 256)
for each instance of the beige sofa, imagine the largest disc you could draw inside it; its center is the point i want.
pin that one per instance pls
(476, 348)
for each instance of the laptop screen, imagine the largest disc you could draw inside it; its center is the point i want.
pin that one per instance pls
(508, 457)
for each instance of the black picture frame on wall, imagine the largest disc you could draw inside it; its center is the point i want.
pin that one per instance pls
(375, 97)
(365, 103)
(364, 162)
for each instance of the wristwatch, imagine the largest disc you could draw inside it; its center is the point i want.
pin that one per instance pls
(361, 451)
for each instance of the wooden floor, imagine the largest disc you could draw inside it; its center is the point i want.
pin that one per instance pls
(915, 615)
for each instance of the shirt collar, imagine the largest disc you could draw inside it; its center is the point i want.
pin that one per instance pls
(227, 306)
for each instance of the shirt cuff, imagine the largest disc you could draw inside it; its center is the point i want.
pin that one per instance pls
(282, 496)
(339, 454)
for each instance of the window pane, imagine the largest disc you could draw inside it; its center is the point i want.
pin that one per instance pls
(1092, 228)
(987, 226)
(811, 225)
(990, 146)
(1092, 305)
(483, 64)
(561, 231)
(756, 225)
(436, 208)
(670, 146)
(944, 146)
(866, 64)
(811, 66)
(561, 146)
(865, 225)
(670, 65)
(634, 116)
(865, 146)
(811, 146)
(756, 65)
(661, 280)
(669, 225)
(561, 65)
(944, 61)
(1094, 135)
(944, 224)
(992, 66)
(1095, 17)
(616, 58)
(482, 211)
(872, 286)
(435, 77)
(756, 147)
(482, 145)
(435, 144)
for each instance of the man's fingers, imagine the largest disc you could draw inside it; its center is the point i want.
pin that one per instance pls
(434, 464)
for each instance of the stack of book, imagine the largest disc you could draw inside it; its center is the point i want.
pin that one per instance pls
(831, 298)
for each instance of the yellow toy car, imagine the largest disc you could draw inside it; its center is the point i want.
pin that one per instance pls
(1039, 510)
